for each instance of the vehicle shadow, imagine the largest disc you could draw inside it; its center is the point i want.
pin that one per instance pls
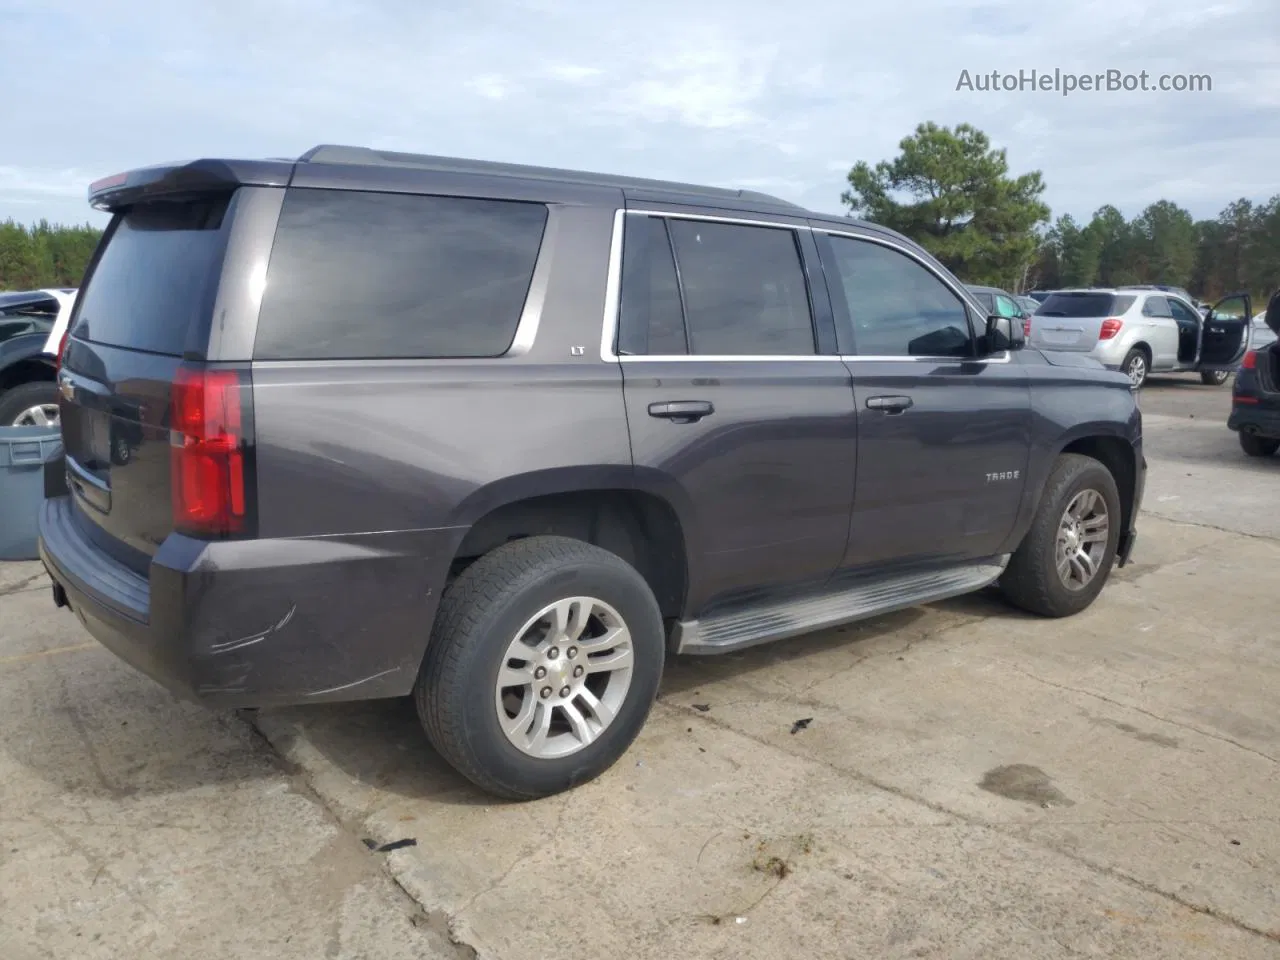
(379, 746)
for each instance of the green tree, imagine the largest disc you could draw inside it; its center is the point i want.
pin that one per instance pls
(1164, 244)
(44, 255)
(951, 192)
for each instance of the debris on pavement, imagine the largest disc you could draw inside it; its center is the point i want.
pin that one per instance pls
(701, 707)
(802, 724)
(388, 847)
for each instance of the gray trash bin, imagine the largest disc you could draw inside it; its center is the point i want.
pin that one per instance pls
(23, 454)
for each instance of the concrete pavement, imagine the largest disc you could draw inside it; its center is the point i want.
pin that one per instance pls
(970, 783)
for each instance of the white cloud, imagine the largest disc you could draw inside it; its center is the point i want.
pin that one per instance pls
(721, 92)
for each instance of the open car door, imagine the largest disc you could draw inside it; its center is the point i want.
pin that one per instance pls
(1224, 335)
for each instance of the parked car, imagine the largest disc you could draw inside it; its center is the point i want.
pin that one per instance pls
(583, 422)
(1039, 296)
(1255, 397)
(998, 302)
(1028, 304)
(1140, 330)
(32, 323)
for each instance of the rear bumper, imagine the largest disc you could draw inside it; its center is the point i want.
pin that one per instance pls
(262, 622)
(1255, 419)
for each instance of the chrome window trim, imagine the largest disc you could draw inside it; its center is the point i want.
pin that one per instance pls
(536, 297)
(613, 291)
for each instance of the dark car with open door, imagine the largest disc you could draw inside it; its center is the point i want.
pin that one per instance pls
(1255, 398)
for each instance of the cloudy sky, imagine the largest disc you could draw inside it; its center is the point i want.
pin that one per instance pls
(775, 96)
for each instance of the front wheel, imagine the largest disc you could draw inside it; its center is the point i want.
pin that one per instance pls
(542, 666)
(1258, 446)
(1214, 378)
(33, 404)
(1066, 556)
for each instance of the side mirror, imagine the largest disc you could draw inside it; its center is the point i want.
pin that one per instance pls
(1273, 312)
(1004, 333)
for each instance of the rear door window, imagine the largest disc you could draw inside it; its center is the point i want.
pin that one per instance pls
(1156, 307)
(358, 275)
(156, 277)
(652, 318)
(744, 289)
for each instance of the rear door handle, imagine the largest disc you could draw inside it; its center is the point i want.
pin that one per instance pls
(682, 411)
(889, 404)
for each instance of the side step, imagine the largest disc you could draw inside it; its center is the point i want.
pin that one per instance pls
(838, 602)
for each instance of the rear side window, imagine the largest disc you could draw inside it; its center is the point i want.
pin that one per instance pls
(370, 275)
(1085, 305)
(744, 289)
(1156, 307)
(156, 277)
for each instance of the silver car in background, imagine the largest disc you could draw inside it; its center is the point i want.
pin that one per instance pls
(1143, 330)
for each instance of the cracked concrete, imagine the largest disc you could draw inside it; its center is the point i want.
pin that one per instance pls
(974, 783)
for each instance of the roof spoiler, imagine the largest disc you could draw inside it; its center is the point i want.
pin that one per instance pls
(178, 180)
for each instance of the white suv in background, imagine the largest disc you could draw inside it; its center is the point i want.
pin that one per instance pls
(1142, 330)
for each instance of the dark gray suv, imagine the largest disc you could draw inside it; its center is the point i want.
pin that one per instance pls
(370, 424)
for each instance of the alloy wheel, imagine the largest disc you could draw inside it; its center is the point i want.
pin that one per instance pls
(41, 415)
(1082, 539)
(564, 677)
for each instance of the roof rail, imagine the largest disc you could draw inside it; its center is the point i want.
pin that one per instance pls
(367, 156)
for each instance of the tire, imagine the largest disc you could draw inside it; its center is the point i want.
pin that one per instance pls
(1032, 580)
(25, 396)
(1214, 378)
(1136, 365)
(1258, 446)
(481, 618)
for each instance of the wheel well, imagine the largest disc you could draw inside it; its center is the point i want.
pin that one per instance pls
(640, 528)
(1141, 345)
(1117, 456)
(25, 371)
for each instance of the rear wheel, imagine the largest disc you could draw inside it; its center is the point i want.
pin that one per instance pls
(1066, 557)
(30, 405)
(1214, 378)
(1258, 446)
(542, 666)
(1136, 366)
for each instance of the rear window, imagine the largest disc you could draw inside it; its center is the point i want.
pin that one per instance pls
(1084, 305)
(366, 276)
(156, 277)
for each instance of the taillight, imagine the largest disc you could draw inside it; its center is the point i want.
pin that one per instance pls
(1110, 327)
(209, 435)
(1250, 361)
(62, 349)
(1026, 328)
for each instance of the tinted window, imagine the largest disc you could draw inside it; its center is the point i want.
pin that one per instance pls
(744, 289)
(1084, 305)
(156, 278)
(1156, 307)
(651, 320)
(898, 307)
(985, 300)
(367, 275)
(1182, 313)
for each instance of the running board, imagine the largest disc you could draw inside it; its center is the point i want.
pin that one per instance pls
(846, 600)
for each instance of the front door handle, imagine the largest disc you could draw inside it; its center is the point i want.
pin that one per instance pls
(889, 404)
(682, 411)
